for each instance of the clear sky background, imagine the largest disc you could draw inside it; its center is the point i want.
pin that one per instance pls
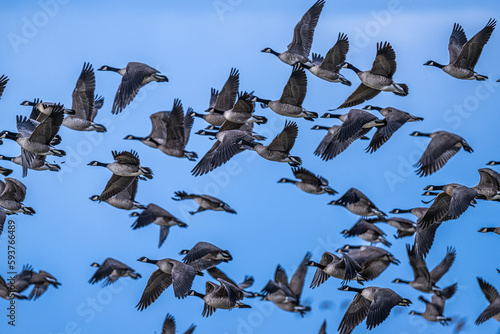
(44, 45)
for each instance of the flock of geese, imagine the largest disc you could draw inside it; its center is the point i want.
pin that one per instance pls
(231, 118)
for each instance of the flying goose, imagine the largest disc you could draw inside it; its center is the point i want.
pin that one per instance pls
(442, 147)
(111, 270)
(284, 294)
(493, 310)
(328, 68)
(377, 79)
(41, 110)
(489, 184)
(169, 272)
(298, 50)
(3, 82)
(169, 326)
(205, 202)
(465, 54)
(247, 282)
(178, 129)
(330, 147)
(124, 199)
(423, 280)
(159, 216)
(6, 292)
(394, 119)
(39, 163)
(220, 102)
(355, 124)
(344, 268)
(40, 281)
(35, 138)
(294, 93)
(125, 164)
(135, 75)
(357, 202)
(434, 309)
(225, 296)
(373, 303)
(279, 149)
(242, 111)
(367, 231)
(310, 183)
(405, 227)
(158, 135)
(451, 203)
(85, 104)
(373, 260)
(205, 255)
(230, 139)
(12, 194)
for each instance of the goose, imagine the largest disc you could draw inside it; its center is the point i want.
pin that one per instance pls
(35, 138)
(85, 104)
(489, 184)
(465, 54)
(298, 50)
(367, 231)
(285, 294)
(377, 79)
(247, 127)
(159, 216)
(3, 82)
(279, 149)
(247, 282)
(493, 310)
(330, 147)
(12, 194)
(373, 260)
(225, 296)
(125, 164)
(169, 272)
(394, 119)
(294, 93)
(423, 280)
(5, 290)
(373, 303)
(309, 183)
(357, 202)
(41, 110)
(41, 281)
(39, 163)
(242, 111)
(442, 147)
(230, 139)
(205, 202)
(178, 129)
(451, 203)
(434, 309)
(344, 268)
(490, 229)
(111, 270)
(124, 199)
(405, 227)
(205, 255)
(355, 123)
(220, 102)
(158, 133)
(135, 75)
(169, 326)
(22, 280)
(328, 68)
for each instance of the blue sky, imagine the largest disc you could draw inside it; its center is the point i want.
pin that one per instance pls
(44, 45)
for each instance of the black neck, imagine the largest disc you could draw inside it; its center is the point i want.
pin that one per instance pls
(372, 108)
(285, 180)
(197, 294)
(402, 281)
(114, 69)
(258, 99)
(11, 135)
(320, 127)
(316, 264)
(437, 64)
(349, 66)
